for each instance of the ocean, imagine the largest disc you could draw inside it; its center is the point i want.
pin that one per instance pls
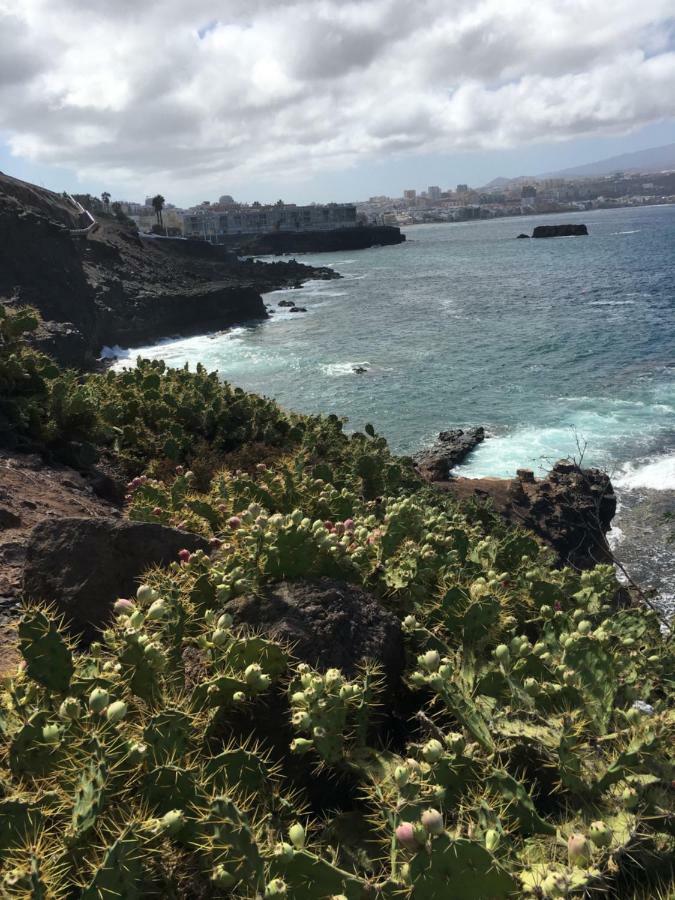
(559, 347)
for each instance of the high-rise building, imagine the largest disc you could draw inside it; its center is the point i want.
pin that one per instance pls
(462, 188)
(434, 192)
(410, 194)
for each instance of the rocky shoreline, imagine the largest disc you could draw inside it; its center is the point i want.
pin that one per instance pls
(113, 286)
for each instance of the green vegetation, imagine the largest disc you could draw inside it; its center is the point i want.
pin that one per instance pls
(514, 763)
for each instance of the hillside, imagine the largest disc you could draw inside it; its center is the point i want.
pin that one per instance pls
(655, 159)
(113, 286)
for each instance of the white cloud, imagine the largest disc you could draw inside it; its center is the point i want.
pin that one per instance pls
(213, 91)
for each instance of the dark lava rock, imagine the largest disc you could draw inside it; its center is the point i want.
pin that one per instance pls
(329, 624)
(523, 236)
(8, 519)
(450, 449)
(286, 303)
(359, 370)
(544, 231)
(83, 565)
(297, 309)
(570, 509)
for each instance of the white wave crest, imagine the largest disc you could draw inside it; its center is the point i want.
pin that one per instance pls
(343, 368)
(657, 474)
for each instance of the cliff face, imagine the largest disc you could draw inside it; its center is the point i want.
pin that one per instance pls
(111, 286)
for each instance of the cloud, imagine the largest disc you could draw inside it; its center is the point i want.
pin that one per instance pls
(220, 91)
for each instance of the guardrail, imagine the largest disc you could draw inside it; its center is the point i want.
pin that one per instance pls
(83, 212)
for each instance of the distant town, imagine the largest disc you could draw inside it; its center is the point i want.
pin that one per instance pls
(225, 219)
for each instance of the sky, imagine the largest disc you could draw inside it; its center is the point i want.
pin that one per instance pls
(320, 100)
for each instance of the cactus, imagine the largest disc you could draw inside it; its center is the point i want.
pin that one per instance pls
(168, 736)
(459, 868)
(120, 873)
(90, 793)
(48, 658)
(238, 768)
(308, 875)
(29, 753)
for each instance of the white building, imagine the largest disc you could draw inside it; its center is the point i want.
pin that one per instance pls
(216, 225)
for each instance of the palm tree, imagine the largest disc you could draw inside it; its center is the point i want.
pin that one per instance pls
(105, 196)
(158, 205)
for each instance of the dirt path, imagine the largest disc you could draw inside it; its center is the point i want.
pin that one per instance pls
(31, 491)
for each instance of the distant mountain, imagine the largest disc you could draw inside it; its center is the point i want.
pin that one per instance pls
(656, 159)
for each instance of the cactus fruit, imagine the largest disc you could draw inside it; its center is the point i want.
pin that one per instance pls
(98, 700)
(432, 821)
(405, 835)
(70, 708)
(600, 834)
(116, 712)
(296, 835)
(578, 850)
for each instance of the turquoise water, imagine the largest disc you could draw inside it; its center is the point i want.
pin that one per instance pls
(558, 347)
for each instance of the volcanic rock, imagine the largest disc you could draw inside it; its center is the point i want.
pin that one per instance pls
(450, 449)
(329, 624)
(570, 509)
(544, 231)
(83, 565)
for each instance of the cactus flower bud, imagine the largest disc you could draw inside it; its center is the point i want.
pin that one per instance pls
(491, 839)
(51, 734)
(70, 708)
(578, 850)
(98, 700)
(158, 609)
(275, 888)
(234, 522)
(409, 623)
(184, 555)
(123, 607)
(405, 835)
(116, 711)
(296, 835)
(429, 661)
(256, 678)
(600, 834)
(146, 594)
(432, 751)
(432, 821)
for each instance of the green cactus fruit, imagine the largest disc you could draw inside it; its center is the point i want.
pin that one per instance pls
(70, 708)
(98, 700)
(158, 610)
(432, 751)
(455, 742)
(116, 712)
(222, 878)
(492, 839)
(284, 851)
(51, 734)
(296, 835)
(531, 686)
(600, 833)
(578, 850)
(137, 618)
(502, 654)
(432, 821)
(220, 637)
(401, 775)
(301, 746)
(172, 821)
(146, 595)
(429, 661)
(584, 626)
